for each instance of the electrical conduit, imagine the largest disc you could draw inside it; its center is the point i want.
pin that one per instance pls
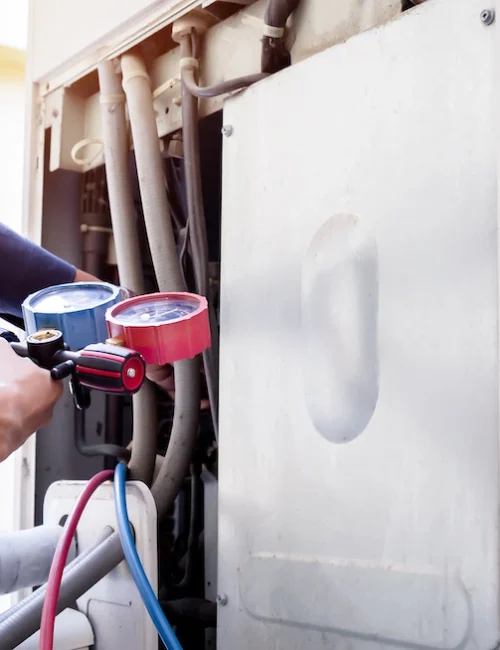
(24, 619)
(26, 556)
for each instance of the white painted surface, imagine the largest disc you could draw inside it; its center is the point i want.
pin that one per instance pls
(72, 631)
(12, 97)
(114, 606)
(14, 24)
(79, 27)
(386, 536)
(11, 196)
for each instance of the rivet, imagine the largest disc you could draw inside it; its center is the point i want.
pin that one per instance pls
(221, 600)
(487, 16)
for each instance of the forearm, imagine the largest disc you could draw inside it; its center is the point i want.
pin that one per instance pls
(27, 268)
(10, 423)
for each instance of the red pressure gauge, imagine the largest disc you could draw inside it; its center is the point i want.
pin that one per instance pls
(161, 327)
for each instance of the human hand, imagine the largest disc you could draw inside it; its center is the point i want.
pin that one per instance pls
(27, 398)
(163, 376)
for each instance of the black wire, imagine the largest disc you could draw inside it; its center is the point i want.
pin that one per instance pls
(197, 225)
(176, 210)
(192, 545)
(114, 451)
(185, 245)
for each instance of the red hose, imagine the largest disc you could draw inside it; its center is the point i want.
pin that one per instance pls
(59, 562)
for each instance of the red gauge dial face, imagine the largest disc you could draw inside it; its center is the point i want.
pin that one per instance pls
(162, 327)
(156, 310)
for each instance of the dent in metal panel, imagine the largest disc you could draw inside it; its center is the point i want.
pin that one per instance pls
(358, 599)
(339, 326)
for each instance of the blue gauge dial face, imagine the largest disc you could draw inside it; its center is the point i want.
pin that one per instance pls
(59, 300)
(156, 310)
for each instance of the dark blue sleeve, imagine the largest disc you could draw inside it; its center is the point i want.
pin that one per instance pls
(26, 268)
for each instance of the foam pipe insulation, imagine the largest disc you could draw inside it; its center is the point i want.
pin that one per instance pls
(26, 556)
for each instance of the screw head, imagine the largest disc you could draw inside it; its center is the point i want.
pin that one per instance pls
(221, 600)
(487, 16)
(227, 130)
(131, 373)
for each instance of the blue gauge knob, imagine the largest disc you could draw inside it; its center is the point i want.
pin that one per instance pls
(77, 310)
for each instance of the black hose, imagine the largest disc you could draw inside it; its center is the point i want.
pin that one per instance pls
(275, 55)
(191, 610)
(176, 211)
(106, 449)
(278, 11)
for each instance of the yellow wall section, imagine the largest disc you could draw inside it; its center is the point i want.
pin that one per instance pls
(12, 99)
(12, 63)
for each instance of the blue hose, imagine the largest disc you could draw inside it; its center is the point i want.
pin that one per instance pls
(164, 628)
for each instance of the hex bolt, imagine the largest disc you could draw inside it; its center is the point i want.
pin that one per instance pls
(487, 16)
(227, 130)
(221, 600)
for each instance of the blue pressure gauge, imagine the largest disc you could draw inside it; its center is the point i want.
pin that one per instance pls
(77, 310)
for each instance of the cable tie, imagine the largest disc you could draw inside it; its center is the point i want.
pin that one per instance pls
(273, 32)
(112, 99)
(188, 62)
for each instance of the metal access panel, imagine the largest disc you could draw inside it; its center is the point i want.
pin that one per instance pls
(359, 425)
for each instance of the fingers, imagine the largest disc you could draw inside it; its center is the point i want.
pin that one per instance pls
(163, 376)
(28, 396)
(158, 374)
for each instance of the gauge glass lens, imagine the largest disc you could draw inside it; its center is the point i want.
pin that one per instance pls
(57, 300)
(159, 310)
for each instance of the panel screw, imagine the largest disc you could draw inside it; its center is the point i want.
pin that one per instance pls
(221, 600)
(131, 373)
(487, 16)
(227, 130)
